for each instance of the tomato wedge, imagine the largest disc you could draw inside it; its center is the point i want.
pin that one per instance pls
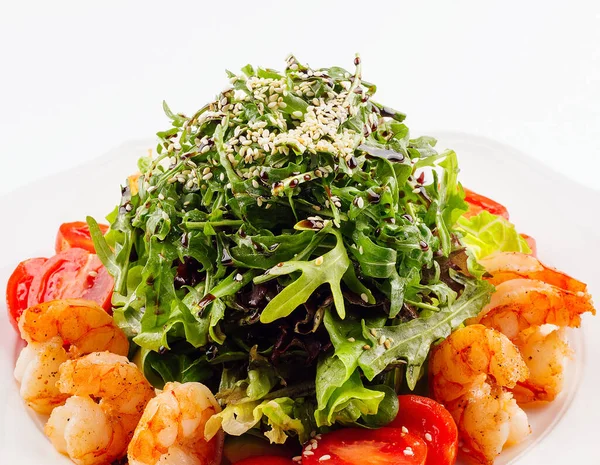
(72, 274)
(17, 289)
(76, 234)
(478, 202)
(265, 460)
(353, 446)
(432, 422)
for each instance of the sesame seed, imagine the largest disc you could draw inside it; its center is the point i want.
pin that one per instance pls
(259, 201)
(272, 105)
(128, 207)
(366, 347)
(387, 344)
(405, 430)
(206, 170)
(298, 458)
(351, 339)
(373, 332)
(207, 176)
(255, 183)
(308, 448)
(205, 149)
(222, 177)
(428, 437)
(308, 451)
(318, 437)
(319, 261)
(238, 277)
(360, 203)
(364, 297)
(297, 114)
(360, 250)
(408, 452)
(324, 457)
(382, 340)
(93, 273)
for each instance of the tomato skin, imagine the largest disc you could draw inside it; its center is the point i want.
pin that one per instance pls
(17, 288)
(72, 274)
(353, 446)
(478, 202)
(424, 416)
(76, 234)
(265, 460)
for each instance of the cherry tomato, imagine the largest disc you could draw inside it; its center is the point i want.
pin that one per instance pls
(531, 243)
(478, 202)
(76, 234)
(432, 422)
(265, 460)
(17, 289)
(353, 446)
(72, 274)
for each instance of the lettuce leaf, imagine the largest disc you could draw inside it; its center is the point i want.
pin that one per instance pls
(485, 234)
(237, 419)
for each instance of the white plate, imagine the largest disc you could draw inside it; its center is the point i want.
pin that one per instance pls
(560, 214)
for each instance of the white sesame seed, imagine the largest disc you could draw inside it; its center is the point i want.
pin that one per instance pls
(364, 297)
(387, 344)
(408, 452)
(93, 273)
(381, 340)
(222, 177)
(255, 183)
(297, 114)
(373, 332)
(238, 277)
(351, 339)
(366, 347)
(298, 458)
(324, 457)
(318, 437)
(259, 201)
(308, 451)
(308, 448)
(360, 203)
(428, 437)
(272, 105)
(360, 250)
(319, 261)
(405, 430)
(207, 176)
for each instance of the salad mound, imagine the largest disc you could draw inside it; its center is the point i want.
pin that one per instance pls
(294, 249)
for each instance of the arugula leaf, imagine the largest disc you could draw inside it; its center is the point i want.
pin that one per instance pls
(325, 269)
(411, 341)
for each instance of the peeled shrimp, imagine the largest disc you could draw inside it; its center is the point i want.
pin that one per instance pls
(520, 304)
(545, 355)
(470, 373)
(505, 266)
(48, 328)
(108, 395)
(171, 431)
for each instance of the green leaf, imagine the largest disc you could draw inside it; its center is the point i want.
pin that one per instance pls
(411, 341)
(484, 234)
(326, 269)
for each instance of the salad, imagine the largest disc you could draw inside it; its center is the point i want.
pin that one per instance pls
(300, 279)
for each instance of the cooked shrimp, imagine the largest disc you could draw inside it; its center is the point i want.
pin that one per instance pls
(171, 431)
(504, 266)
(470, 373)
(91, 432)
(545, 355)
(37, 371)
(81, 325)
(520, 304)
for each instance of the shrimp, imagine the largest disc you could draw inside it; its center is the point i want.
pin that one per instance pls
(171, 431)
(48, 327)
(82, 324)
(471, 372)
(545, 355)
(519, 304)
(504, 266)
(108, 395)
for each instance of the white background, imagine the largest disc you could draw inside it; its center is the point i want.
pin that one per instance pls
(78, 78)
